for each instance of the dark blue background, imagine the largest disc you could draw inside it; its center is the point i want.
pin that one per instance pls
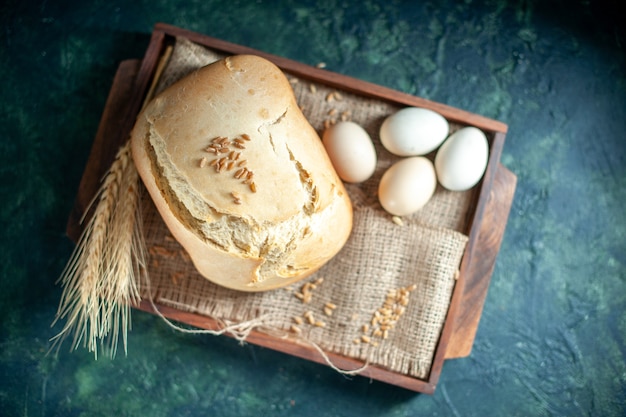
(551, 340)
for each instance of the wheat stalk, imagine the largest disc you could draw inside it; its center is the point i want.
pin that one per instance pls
(101, 279)
(125, 257)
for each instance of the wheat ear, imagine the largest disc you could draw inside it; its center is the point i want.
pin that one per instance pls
(100, 279)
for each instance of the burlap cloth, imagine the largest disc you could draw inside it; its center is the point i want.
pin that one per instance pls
(381, 255)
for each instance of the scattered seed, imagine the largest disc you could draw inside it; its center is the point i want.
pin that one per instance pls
(365, 338)
(310, 317)
(298, 320)
(330, 97)
(321, 65)
(245, 136)
(253, 187)
(240, 173)
(312, 88)
(319, 323)
(332, 112)
(295, 329)
(330, 305)
(202, 162)
(328, 311)
(365, 328)
(328, 123)
(397, 220)
(356, 341)
(384, 319)
(306, 290)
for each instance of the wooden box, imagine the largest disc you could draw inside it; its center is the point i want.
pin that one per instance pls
(488, 217)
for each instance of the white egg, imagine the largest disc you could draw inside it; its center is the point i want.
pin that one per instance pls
(462, 159)
(413, 131)
(351, 151)
(407, 185)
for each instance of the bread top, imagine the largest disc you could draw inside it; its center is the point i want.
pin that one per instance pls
(226, 100)
(238, 166)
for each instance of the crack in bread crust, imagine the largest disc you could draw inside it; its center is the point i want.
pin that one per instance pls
(273, 243)
(179, 210)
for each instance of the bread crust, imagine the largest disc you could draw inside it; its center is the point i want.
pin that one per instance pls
(239, 176)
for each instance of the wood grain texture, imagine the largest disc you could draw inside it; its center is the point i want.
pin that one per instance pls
(478, 275)
(488, 218)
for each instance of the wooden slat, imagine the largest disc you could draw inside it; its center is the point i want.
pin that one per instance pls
(478, 275)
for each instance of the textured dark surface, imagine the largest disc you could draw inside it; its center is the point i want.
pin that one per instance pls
(551, 341)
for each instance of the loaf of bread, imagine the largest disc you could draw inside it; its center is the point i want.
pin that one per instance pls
(240, 177)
